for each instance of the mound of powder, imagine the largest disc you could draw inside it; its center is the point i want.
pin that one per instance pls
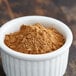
(35, 39)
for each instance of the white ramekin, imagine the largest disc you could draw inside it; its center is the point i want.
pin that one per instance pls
(50, 64)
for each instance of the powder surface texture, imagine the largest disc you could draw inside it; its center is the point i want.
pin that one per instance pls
(35, 39)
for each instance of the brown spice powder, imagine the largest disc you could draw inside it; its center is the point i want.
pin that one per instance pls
(34, 39)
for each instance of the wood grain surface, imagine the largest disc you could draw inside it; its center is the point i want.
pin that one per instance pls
(64, 10)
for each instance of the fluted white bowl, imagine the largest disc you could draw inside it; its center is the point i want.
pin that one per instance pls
(49, 64)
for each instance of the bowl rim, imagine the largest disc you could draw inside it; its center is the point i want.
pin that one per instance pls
(37, 57)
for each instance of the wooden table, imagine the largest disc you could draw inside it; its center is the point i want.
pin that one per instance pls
(64, 10)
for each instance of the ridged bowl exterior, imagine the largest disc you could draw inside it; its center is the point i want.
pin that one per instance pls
(50, 67)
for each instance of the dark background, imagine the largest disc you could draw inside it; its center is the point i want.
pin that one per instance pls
(64, 10)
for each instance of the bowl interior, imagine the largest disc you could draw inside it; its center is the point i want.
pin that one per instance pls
(14, 25)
